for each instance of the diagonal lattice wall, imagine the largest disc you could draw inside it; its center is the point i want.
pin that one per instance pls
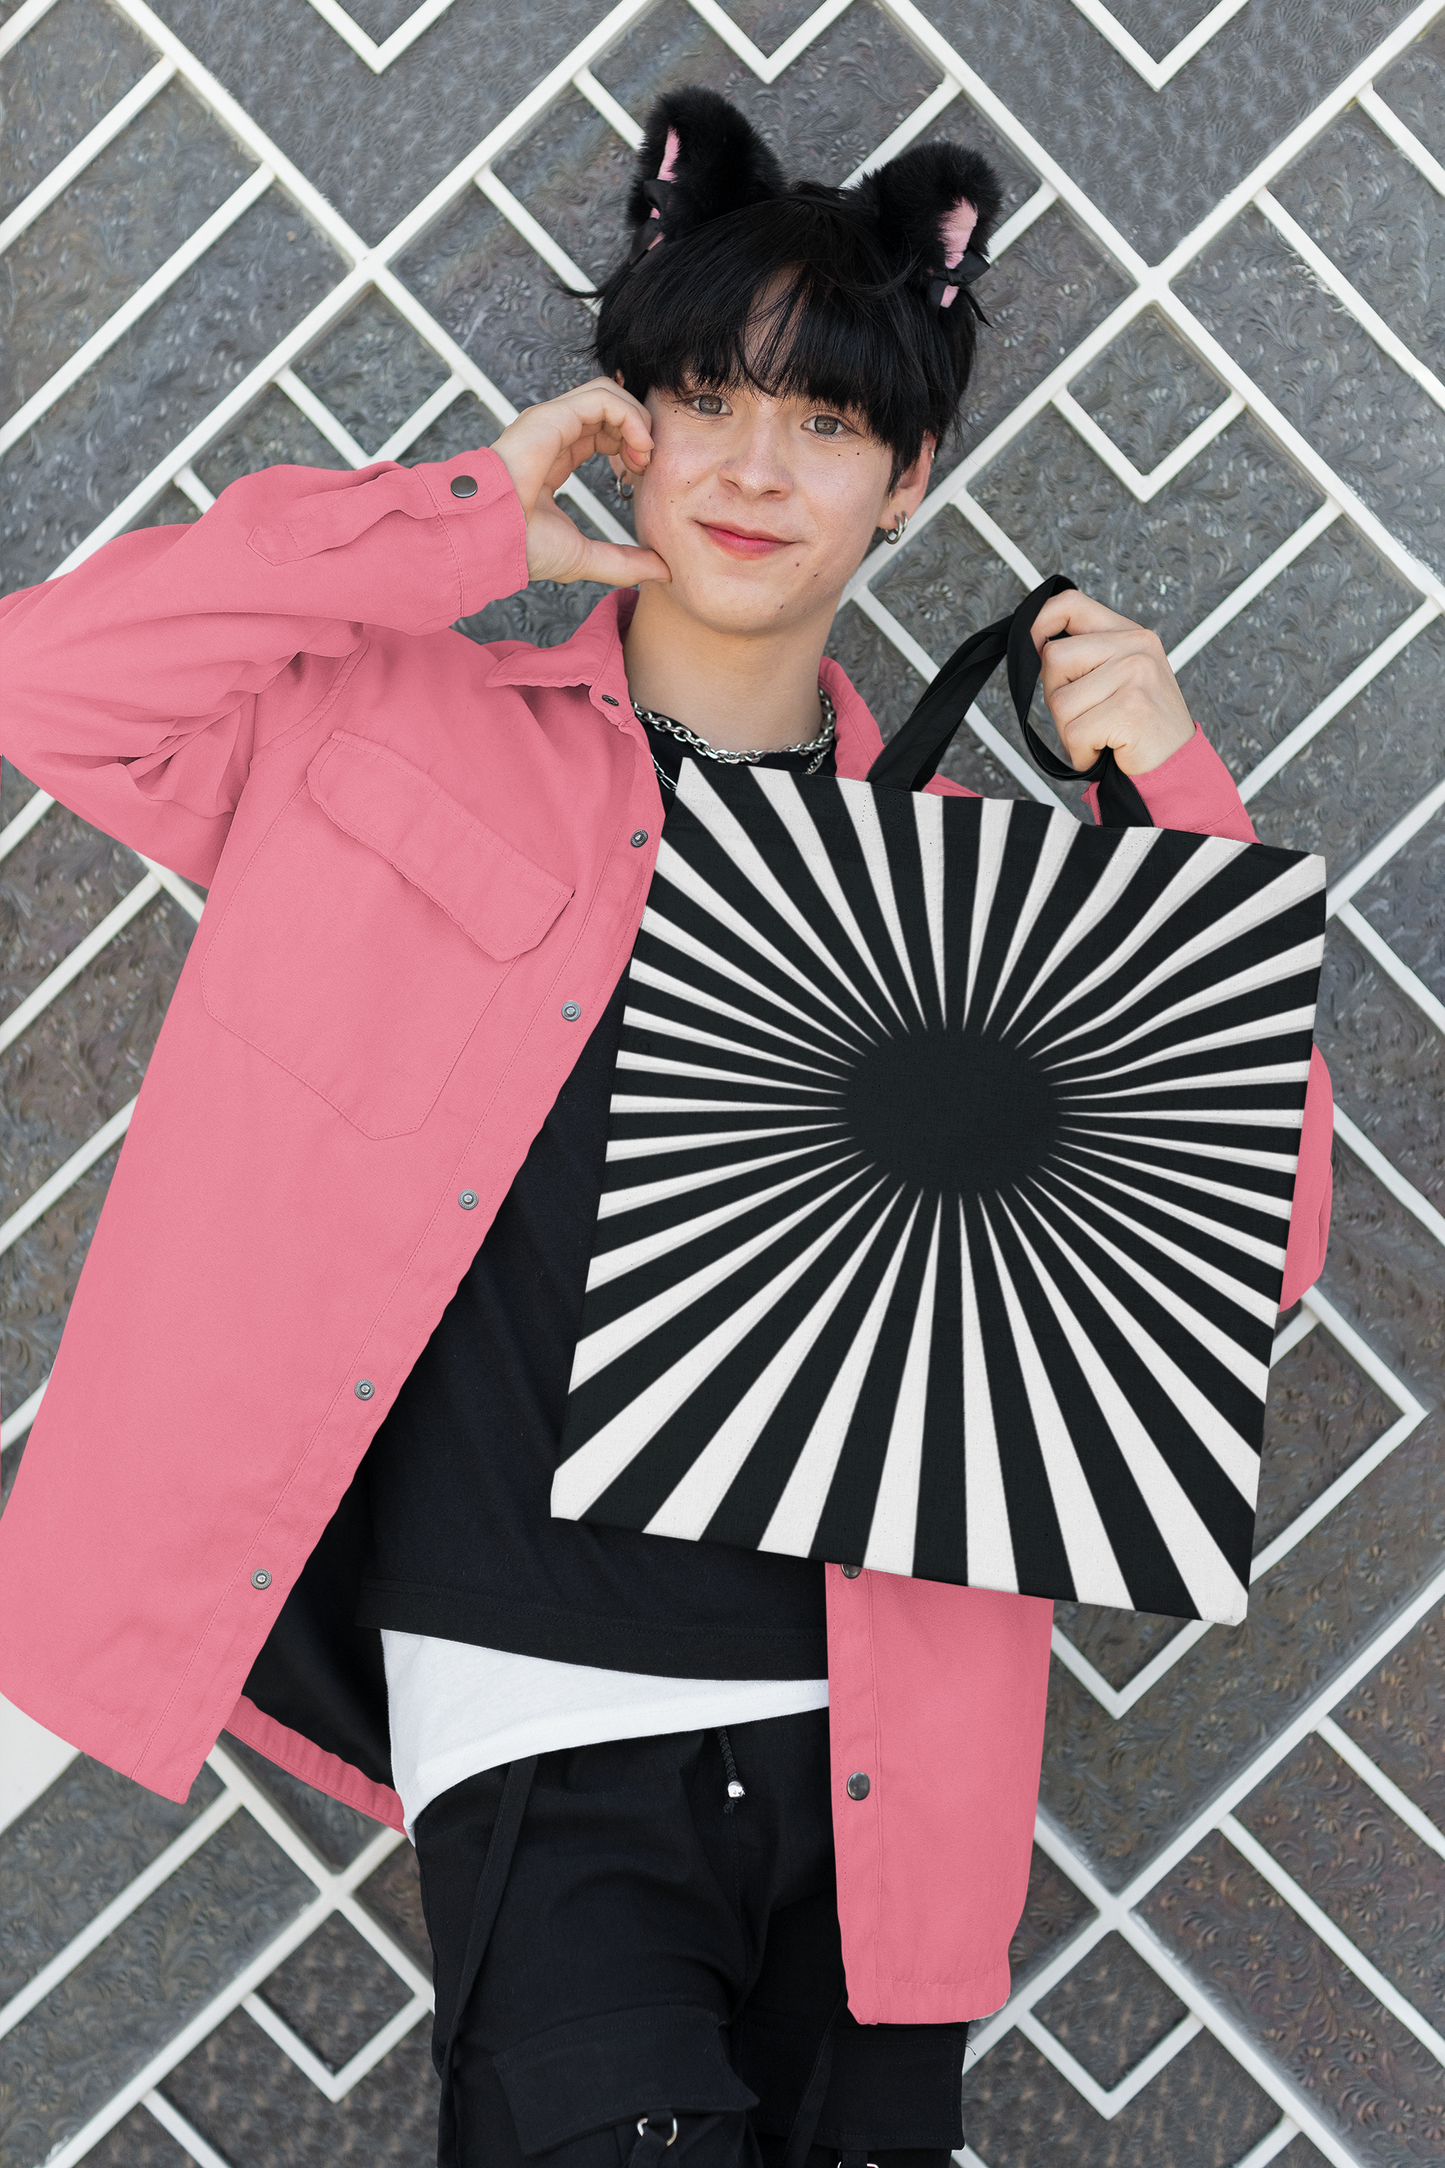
(1213, 391)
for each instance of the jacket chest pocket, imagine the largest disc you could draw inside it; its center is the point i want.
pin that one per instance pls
(370, 929)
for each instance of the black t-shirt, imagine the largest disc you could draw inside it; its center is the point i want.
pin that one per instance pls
(459, 1475)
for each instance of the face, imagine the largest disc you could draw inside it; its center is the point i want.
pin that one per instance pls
(763, 508)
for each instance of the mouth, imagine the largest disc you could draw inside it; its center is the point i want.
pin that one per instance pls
(739, 542)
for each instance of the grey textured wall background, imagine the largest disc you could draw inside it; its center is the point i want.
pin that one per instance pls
(284, 230)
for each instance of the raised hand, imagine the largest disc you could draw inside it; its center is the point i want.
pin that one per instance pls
(1107, 682)
(544, 446)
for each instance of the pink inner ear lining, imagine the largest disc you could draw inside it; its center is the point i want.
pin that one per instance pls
(668, 168)
(958, 232)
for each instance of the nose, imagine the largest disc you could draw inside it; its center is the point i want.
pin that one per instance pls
(756, 462)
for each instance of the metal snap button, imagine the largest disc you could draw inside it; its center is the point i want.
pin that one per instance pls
(850, 1573)
(571, 1010)
(260, 1578)
(364, 1388)
(859, 1785)
(610, 700)
(467, 1199)
(639, 839)
(464, 485)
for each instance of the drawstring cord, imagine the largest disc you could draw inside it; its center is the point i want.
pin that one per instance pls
(736, 1790)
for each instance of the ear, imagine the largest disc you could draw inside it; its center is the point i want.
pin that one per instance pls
(937, 204)
(700, 159)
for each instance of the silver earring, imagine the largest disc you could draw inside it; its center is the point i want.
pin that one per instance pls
(624, 488)
(895, 532)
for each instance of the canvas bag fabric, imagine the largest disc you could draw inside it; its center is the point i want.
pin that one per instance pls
(951, 1156)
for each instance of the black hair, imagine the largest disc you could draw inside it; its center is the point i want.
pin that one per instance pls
(799, 290)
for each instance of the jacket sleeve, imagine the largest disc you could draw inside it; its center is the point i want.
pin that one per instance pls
(138, 688)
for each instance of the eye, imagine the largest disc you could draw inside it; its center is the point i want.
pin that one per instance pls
(827, 425)
(708, 402)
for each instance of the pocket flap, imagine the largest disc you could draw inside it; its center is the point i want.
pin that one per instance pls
(612, 2069)
(499, 898)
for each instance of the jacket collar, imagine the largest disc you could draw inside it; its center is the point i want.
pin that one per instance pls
(593, 657)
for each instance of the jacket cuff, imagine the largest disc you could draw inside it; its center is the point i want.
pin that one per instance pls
(486, 529)
(1192, 790)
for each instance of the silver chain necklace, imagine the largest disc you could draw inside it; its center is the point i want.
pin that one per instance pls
(673, 729)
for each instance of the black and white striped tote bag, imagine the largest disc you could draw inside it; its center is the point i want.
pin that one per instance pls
(952, 1149)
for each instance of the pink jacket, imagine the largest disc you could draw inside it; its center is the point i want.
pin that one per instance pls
(417, 850)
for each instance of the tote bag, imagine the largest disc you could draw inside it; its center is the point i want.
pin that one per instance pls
(952, 1149)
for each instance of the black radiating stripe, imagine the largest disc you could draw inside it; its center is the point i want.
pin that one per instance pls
(1211, 1098)
(1103, 1073)
(696, 1166)
(1231, 1012)
(665, 1215)
(1227, 1516)
(1143, 1556)
(743, 1515)
(1082, 868)
(653, 1474)
(1264, 1181)
(839, 1017)
(1213, 1379)
(940, 1547)
(654, 1045)
(815, 1024)
(905, 863)
(847, 1517)
(856, 882)
(1160, 1127)
(1245, 1219)
(1023, 843)
(1098, 1190)
(961, 829)
(807, 1059)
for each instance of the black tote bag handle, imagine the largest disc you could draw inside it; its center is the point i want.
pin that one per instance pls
(911, 756)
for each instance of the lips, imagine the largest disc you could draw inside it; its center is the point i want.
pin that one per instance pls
(738, 542)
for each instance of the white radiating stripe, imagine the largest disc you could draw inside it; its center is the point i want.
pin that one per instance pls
(1231, 1117)
(1093, 1567)
(596, 1349)
(667, 1065)
(689, 882)
(655, 1103)
(1272, 971)
(693, 1036)
(1059, 837)
(1275, 1072)
(862, 804)
(1263, 1027)
(611, 1265)
(991, 1561)
(928, 820)
(1199, 869)
(644, 974)
(1240, 1156)
(697, 793)
(1222, 1440)
(1250, 1372)
(795, 1517)
(704, 1139)
(1287, 889)
(992, 835)
(893, 1533)
(689, 1508)
(1132, 849)
(1258, 1200)
(662, 929)
(586, 1474)
(792, 810)
(1244, 1298)
(1214, 1587)
(640, 1194)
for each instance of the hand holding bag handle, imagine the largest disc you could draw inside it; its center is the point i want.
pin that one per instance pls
(911, 756)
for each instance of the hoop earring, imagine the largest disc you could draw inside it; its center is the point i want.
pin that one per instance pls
(895, 532)
(623, 487)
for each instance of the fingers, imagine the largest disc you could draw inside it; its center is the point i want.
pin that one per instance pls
(1074, 612)
(619, 564)
(548, 442)
(1070, 659)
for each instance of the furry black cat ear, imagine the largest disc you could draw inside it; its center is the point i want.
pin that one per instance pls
(938, 203)
(700, 159)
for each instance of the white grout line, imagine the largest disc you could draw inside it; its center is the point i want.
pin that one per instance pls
(1407, 980)
(19, 1421)
(1145, 487)
(1271, 2144)
(1404, 139)
(1349, 688)
(999, 541)
(532, 232)
(1156, 73)
(321, 418)
(1385, 1789)
(1304, 1321)
(1254, 584)
(768, 66)
(36, 806)
(1394, 840)
(923, 116)
(59, 178)
(1107, 2102)
(1341, 1945)
(26, 16)
(70, 966)
(1320, 1508)
(43, 1198)
(379, 57)
(402, 438)
(335, 2084)
(1362, 1355)
(185, 2134)
(1346, 292)
(190, 485)
(1384, 1171)
(48, 1978)
(145, 296)
(617, 116)
(1119, 1700)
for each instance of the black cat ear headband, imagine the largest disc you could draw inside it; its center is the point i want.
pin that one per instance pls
(934, 205)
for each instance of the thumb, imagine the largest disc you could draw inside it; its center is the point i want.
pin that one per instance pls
(618, 564)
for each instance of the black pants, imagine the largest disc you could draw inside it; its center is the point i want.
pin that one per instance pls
(657, 1952)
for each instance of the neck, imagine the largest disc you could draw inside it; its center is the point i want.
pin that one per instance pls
(737, 690)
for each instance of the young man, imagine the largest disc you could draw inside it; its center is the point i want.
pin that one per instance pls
(720, 1851)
